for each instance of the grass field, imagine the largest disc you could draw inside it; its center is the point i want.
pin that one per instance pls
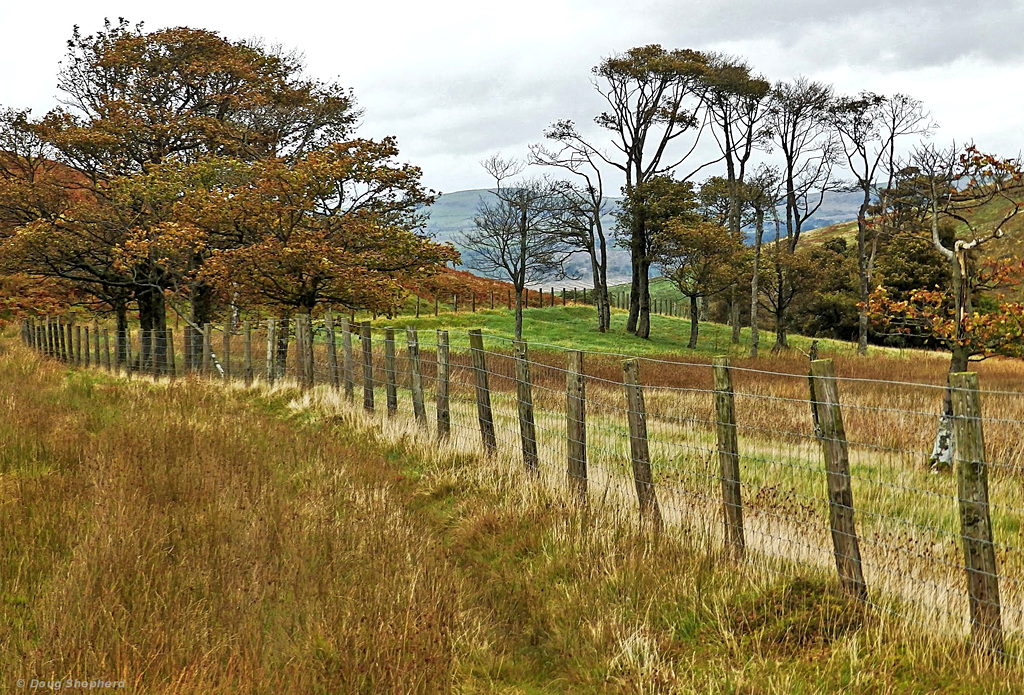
(192, 537)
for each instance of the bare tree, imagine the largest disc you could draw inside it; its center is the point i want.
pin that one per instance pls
(581, 210)
(869, 126)
(798, 118)
(514, 231)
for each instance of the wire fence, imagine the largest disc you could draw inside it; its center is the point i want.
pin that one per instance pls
(794, 472)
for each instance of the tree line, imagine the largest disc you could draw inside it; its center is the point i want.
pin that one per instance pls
(184, 170)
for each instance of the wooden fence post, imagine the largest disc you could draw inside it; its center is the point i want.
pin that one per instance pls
(975, 522)
(840, 492)
(444, 415)
(67, 348)
(415, 375)
(86, 356)
(524, 399)
(576, 425)
(367, 366)
(390, 380)
(117, 352)
(171, 367)
(96, 343)
(247, 372)
(225, 359)
(348, 371)
(483, 392)
(207, 349)
(639, 449)
(332, 349)
(128, 352)
(106, 350)
(304, 349)
(78, 346)
(729, 458)
(271, 350)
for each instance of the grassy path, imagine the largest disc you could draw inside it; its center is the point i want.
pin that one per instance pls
(191, 538)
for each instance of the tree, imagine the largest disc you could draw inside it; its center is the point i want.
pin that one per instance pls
(582, 209)
(797, 118)
(701, 258)
(515, 231)
(980, 193)
(869, 126)
(653, 97)
(761, 194)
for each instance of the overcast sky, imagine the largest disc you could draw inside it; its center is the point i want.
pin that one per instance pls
(456, 82)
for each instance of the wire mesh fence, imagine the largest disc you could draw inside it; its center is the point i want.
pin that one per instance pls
(801, 470)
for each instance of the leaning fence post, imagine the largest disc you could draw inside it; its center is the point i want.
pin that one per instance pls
(524, 399)
(975, 522)
(636, 413)
(728, 457)
(172, 367)
(483, 392)
(367, 366)
(444, 415)
(840, 492)
(247, 372)
(390, 380)
(576, 425)
(332, 350)
(415, 376)
(271, 350)
(348, 375)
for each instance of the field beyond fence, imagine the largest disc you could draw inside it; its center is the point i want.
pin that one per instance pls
(803, 468)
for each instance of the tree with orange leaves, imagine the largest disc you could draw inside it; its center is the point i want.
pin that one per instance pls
(980, 193)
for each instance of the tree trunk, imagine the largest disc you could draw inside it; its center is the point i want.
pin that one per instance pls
(200, 315)
(281, 358)
(755, 280)
(643, 324)
(694, 319)
(121, 313)
(519, 313)
(634, 294)
(153, 322)
(864, 273)
(734, 314)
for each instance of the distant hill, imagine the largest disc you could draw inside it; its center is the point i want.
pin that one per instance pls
(452, 214)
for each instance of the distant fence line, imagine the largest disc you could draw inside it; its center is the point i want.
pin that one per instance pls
(744, 466)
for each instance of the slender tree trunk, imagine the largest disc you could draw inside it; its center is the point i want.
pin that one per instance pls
(201, 313)
(121, 314)
(634, 293)
(519, 312)
(864, 273)
(755, 279)
(643, 325)
(694, 320)
(734, 314)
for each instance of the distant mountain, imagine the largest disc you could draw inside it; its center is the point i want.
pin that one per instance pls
(452, 214)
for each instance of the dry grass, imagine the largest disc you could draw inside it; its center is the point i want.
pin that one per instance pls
(193, 538)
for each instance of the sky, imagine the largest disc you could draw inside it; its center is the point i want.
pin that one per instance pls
(456, 82)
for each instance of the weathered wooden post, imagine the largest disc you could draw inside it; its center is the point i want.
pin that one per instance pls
(444, 416)
(171, 367)
(509, 299)
(271, 351)
(492, 298)
(483, 392)
(225, 359)
(117, 352)
(390, 379)
(415, 376)
(367, 366)
(840, 492)
(78, 346)
(473, 301)
(639, 449)
(729, 458)
(348, 372)
(128, 352)
(207, 349)
(524, 400)
(576, 425)
(247, 353)
(332, 349)
(307, 373)
(975, 521)
(86, 353)
(106, 350)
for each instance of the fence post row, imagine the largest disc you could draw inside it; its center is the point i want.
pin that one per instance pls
(367, 366)
(576, 426)
(728, 457)
(636, 412)
(840, 492)
(444, 416)
(524, 400)
(483, 392)
(415, 376)
(975, 523)
(390, 380)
